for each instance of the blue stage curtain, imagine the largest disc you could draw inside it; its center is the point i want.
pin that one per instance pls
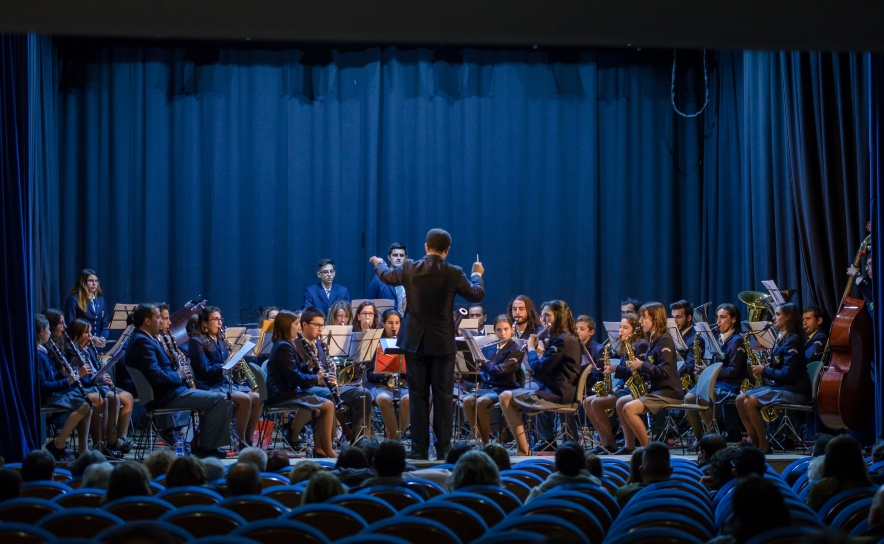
(876, 166)
(19, 401)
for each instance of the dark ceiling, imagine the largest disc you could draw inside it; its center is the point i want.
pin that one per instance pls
(855, 25)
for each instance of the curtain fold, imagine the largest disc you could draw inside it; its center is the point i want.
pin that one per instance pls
(875, 66)
(19, 398)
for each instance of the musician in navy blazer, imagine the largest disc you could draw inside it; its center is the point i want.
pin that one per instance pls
(324, 293)
(427, 334)
(378, 289)
(817, 340)
(87, 302)
(146, 355)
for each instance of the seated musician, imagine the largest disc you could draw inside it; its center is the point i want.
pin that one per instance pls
(498, 374)
(340, 313)
(813, 320)
(83, 355)
(660, 367)
(147, 356)
(786, 368)
(556, 372)
(381, 386)
(208, 351)
(477, 311)
(378, 289)
(356, 398)
(86, 301)
(58, 390)
(733, 371)
(682, 313)
(524, 315)
(365, 317)
(288, 386)
(269, 313)
(592, 350)
(595, 406)
(325, 292)
(629, 305)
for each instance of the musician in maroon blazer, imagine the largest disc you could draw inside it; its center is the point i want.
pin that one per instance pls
(427, 335)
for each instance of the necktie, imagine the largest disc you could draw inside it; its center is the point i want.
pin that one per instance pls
(328, 294)
(400, 296)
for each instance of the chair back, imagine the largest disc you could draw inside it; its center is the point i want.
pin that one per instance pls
(270, 479)
(142, 386)
(815, 370)
(599, 493)
(784, 535)
(486, 508)
(851, 516)
(138, 508)
(288, 495)
(44, 489)
(581, 385)
(397, 497)
(535, 468)
(190, 495)
(706, 383)
(544, 524)
(465, 523)
(24, 533)
(830, 510)
(84, 497)
(333, 521)
(371, 509)
(415, 530)
(503, 498)
(115, 534)
(254, 507)
(261, 380)
(669, 520)
(528, 478)
(657, 535)
(281, 530)
(590, 503)
(201, 520)
(510, 537)
(79, 522)
(431, 488)
(585, 520)
(517, 487)
(29, 510)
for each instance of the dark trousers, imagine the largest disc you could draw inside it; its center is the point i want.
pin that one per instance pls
(424, 372)
(355, 398)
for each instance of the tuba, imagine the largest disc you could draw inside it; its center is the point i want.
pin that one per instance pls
(637, 385)
(767, 414)
(606, 386)
(758, 304)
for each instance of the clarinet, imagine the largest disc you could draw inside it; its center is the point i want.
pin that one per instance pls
(177, 358)
(84, 358)
(97, 357)
(67, 367)
(314, 358)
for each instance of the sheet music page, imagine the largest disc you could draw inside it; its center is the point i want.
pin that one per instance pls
(240, 342)
(713, 348)
(774, 291)
(764, 340)
(337, 338)
(676, 335)
(237, 357)
(612, 328)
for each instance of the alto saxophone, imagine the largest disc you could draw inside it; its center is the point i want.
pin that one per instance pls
(767, 414)
(241, 373)
(689, 379)
(636, 383)
(606, 386)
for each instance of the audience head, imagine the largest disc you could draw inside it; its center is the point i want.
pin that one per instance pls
(97, 475)
(303, 470)
(570, 459)
(10, 484)
(389, 459)
(128, 479)
(721, 469)
(594, 464)
(243, 478)
(876, 512)
(322, 486)
(498, 454)
(159, 462)
(474, 468)
(708, 445)
(369, 446)
(820, 442)
(256, 456)
(456, 452)
(758, 506)
(750, 460)
(276, 460)
(79, 465)
(37, 465)
(635, 466)
(655, 463)
(877, 452)
(844, 460)
(352, 457)
(187, 470)
(214, 469)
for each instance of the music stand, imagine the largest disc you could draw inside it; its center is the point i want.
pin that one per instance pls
(612, 328)
(118, 319)
(380, 304)
(242, 348)
(774, 291)
(713, 348)
(363, 345)
(764, 340)
(337, 338)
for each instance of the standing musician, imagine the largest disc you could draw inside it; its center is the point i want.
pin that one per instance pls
(324, 293)
(365, 317)
(813, 320)
(379, 386)
(340, 313)
(525, 319)
(682, 313)
(499, 374)
(355, 397)
(596, 406)
(146, 355)
(288, 386)
(733, 369)
(557, 371)
(787, 368)
(87, 302)
(659, 365)
(208, 351)
(379, 289)
(112, 403)
(59, 389)
(428, 335)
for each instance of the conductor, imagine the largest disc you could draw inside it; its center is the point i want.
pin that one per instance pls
(427, 335)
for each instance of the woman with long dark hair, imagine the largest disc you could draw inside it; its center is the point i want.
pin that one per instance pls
(844, 467)
(787, 367)
(365, 317)
(379, 383)
(86, 301)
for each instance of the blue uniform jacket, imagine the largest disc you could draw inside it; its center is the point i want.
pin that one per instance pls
(734, 367)
(146, 355)
(813, 350)
(659, 365)
(283, 371)
(98, 317)
(788, 368)
(207, 356)
(52, 381)
(558, 369)
(500, 372)
(379, 289)
(315, 296)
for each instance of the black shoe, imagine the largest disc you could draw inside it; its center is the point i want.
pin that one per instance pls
(60, 454)
(624, 451)
(218, 453)
(108, 452)
(124, 446)
(418, 456)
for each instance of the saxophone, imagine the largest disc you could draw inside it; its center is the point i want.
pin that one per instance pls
(241, 373)
(606, 386)
(689, 379)
(636, 383)
(767, 414)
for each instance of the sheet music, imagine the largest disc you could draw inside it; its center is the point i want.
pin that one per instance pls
(237, 357)
(676, 335)
(472, 324)
(364, 345)
(104, 370)
(713, 348)
(612, 328)
(337, 338)
(118, 345)
(118, 318)
(234, 333)
(380, 304)
(774, 291)
(240, 342)
(476, 353)
(764, 340)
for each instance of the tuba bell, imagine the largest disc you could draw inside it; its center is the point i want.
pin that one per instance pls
(758, 303)
(701, 313)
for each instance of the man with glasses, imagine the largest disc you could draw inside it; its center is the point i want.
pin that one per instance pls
(378, 289)
(324, 293)
(356, 399)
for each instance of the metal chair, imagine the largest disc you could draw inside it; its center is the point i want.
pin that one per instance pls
(269, 410)
(486, 508)
(138, 508)
(466, 524)
(147, 438)
(273, 531)
(415, 530)
(201, 520)
(254, 507)
(705, 394)
(814, 369)
(563, 409)
(79, 522)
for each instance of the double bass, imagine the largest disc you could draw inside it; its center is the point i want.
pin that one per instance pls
(846, 396)
(178, 320)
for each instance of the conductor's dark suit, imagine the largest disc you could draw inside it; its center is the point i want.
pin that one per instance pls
(427, 337)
